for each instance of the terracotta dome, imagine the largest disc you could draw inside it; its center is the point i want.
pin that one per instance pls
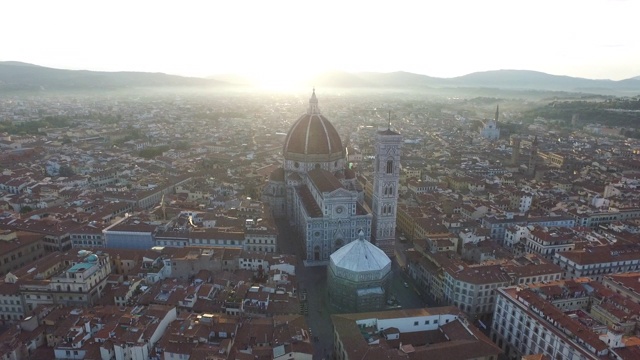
(312, 137)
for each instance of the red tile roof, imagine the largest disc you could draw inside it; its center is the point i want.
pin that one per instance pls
(309, 203)
(324, 180)
(312, 134)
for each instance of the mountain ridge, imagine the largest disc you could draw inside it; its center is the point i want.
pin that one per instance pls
(15, 75)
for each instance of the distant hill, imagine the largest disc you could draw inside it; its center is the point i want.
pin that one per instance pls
(233, 79)
(498, 79)
(401, 79)
(526, 79)
(21, 76)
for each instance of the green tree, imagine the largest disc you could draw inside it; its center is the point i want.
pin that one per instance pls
(151, 152)
(66, 171)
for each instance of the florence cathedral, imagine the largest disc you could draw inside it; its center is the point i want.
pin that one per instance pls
(319, 195)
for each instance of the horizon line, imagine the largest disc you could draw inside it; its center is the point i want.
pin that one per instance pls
(320, 73)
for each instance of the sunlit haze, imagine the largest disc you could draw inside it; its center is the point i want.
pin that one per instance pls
(278, 42)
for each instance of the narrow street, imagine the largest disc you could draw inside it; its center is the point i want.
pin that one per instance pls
(313, 281)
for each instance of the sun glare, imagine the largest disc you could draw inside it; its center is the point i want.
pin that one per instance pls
(282, 79)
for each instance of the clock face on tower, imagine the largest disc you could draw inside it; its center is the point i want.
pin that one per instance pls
(339, 210)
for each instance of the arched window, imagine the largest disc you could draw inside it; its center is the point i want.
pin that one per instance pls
(389, 166)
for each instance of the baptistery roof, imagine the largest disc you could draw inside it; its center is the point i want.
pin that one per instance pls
(312, 137)
(360, 256)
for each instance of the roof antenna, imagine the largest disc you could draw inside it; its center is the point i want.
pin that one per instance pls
(389, 124)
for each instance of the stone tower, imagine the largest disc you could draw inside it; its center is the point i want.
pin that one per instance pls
(386, 178)
(515, 154)
(533, 158)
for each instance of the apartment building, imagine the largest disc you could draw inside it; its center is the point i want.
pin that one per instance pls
(498, 224)
(18, 248)
(546, 241)
(473, 289)
(525, 324)
(67, 279)
(597, 262)
(625, 284)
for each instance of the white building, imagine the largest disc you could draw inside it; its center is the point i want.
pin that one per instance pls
(522, 201)
(490, 130)
(11, 304)
(443, 332)
(260, 237)
(515, 238)
(525, 324)
(546, 241)
(135, 341)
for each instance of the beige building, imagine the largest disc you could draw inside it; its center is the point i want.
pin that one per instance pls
(626, 284)
(18, 248)
(260, 236)
(67, 279)
(473, 289)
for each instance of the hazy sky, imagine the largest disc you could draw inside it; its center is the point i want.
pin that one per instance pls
(275, 39)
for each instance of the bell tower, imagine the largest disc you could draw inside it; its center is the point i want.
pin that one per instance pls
(386, 179)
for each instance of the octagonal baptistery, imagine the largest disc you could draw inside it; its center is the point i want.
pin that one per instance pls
(312, 142)
(358, 276)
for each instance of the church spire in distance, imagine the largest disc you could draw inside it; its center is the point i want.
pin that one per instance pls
(313, 103)
(497, 113)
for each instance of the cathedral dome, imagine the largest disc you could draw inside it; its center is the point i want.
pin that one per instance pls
(312, 137)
